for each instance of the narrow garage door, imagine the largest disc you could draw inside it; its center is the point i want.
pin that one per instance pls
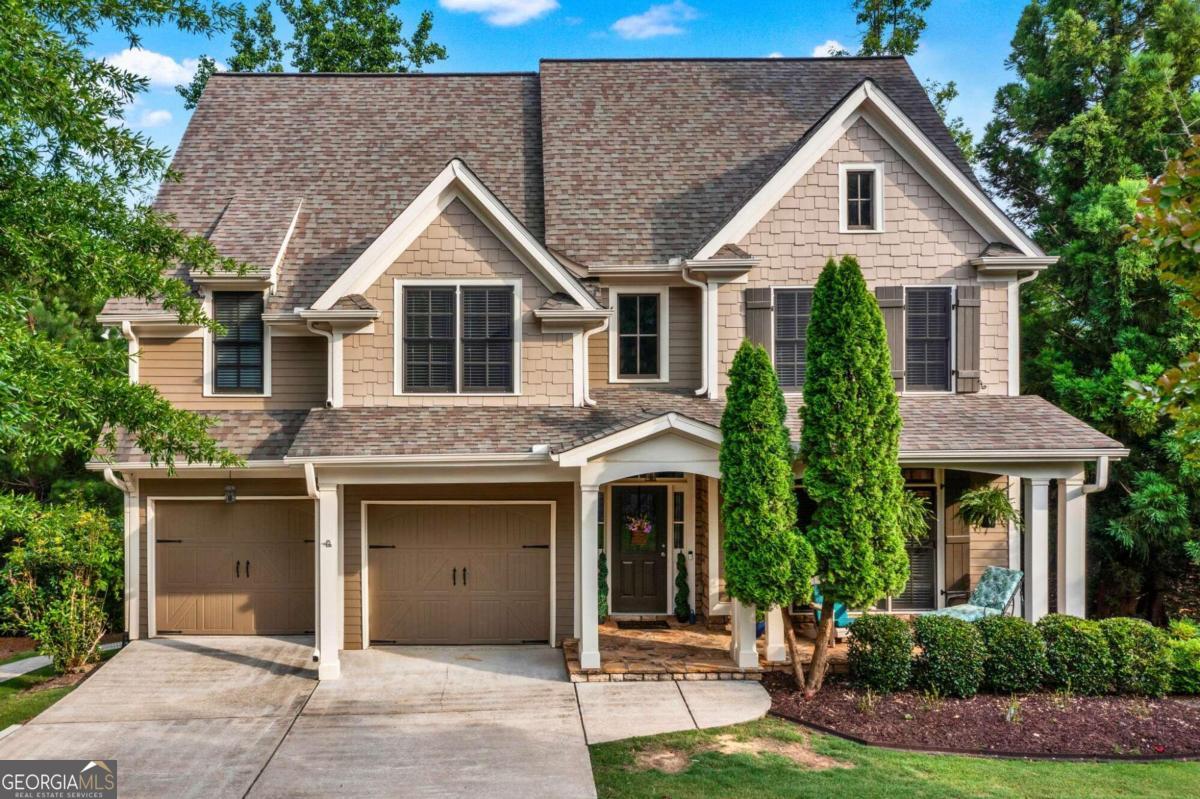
(234, 569)
(458, 574)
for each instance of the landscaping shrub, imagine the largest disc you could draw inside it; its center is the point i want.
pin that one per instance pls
(881, 652)
(1141, 660)
(1077, 655)
(1185, 665)
(1183, 630)
(1015, 659)
(951, 659)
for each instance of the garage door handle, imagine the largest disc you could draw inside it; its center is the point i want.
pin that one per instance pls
(237, 569)
(464, 575)
(247, 568)
(454, 576)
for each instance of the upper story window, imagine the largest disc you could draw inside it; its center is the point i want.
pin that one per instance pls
(861, 197)
(238, 351)
(458, 339)
(792, 310)
(927, 339)
(639, 336)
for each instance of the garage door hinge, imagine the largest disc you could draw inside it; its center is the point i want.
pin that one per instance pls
(170, 541)
(381, 546)
(535, 546)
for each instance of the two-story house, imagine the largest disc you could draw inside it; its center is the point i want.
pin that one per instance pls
(490, 322)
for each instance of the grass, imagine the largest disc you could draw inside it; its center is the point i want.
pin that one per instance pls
(863, 772)
(21, 700)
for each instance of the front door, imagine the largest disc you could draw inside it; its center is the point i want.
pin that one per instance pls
(639, 540)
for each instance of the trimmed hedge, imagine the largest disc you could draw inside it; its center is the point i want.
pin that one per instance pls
(951, 659)
(1015, 659)
(1141, 660)
(881, 652)
(1185, 665)
(1077, 654)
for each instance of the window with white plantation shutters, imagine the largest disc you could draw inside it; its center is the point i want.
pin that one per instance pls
(429, 339)
(927, 339)
(792, 310)
(487, 339)
(238, 351)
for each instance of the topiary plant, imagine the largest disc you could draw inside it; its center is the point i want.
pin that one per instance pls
(1015, 659)
(1077, 654)
(602, 588)
(683, 605)
(950, 662)
(881, 652)
(1141, 658)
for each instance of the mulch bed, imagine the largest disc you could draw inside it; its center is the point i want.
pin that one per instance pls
(1045, 724)
(14, 645)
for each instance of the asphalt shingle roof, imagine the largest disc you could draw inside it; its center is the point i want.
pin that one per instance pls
(254, 435)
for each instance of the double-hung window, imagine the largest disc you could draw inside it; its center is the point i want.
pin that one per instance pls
(793, 308)
(639, 328)
(459, 339)
(238, 351)
(927, 339)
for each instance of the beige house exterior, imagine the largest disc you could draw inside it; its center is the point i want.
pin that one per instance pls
(479, 352)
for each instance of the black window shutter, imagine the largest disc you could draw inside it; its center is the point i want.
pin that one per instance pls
(758, 316)
(238, 351)
(891, 302)
(487, 339)
(927, 339)
(966, 340)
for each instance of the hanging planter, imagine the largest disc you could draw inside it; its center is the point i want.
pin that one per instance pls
(987, 507)
(639, 528)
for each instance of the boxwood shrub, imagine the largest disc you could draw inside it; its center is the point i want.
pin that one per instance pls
(881, 652)
(1185, 665)
(1141, 659)
(950, 662)
(1077, 654)
(1015, 659)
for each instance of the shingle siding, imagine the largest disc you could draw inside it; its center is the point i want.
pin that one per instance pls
(683, 305)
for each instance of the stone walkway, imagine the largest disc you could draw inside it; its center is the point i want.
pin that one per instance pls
(615, 710)
(19, 667)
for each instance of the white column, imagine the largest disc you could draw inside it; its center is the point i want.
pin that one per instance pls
(328, 608)
(712, 303)
(1037, 548)
(1072, 547)
(742, 648)
(1014, 540)
(133, 550)
(776, 646)
(589, 624)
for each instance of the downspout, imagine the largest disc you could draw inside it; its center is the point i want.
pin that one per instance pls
(111, 478)
(1101, 477)
(133, 350)
(310, 487)
(130, 533)
(703, 286)
(329, 377)
(587, 387)
(1014, 333)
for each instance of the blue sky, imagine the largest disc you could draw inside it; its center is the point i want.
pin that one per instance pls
(965, 41)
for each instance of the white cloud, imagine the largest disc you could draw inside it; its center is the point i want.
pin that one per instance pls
(504, 13)
(775, 54)
(155, 117)
(659, 20)
(159, 69)
(828, 48)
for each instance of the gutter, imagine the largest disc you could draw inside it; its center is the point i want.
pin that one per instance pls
(587, 334)
(114, 481)
(685, 274)
(1101, 477)
(329, 376)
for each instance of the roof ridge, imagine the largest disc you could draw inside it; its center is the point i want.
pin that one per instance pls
(500, 74)
(725, 59)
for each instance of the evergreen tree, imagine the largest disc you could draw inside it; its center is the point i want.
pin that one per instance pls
(767, 562)
(1102, 99)
(850, 447)
(892, 26)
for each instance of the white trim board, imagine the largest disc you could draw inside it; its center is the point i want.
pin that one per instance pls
(208, 390)
(364, 532)
(664, 333)
(869, 102)
(877, 199)
(456, 181)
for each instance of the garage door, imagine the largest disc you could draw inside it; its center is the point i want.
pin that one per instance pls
(234, 569)
(458, 574)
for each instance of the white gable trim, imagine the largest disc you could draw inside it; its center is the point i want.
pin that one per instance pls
(287, 238)
(869, 102)
(455, 182)
(699, 431)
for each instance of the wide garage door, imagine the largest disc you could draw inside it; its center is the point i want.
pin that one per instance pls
(458, 574)
(244, 568)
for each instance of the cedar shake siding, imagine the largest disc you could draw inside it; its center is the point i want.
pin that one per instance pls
(457, 245)
(683, 324)
(563, 494)
(175, 366)
(924, 241)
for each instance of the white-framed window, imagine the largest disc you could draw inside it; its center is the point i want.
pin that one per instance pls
(860, 198)
(793, 309)
(457, 336)
(237, 361)
(928, 339)
(638, 338)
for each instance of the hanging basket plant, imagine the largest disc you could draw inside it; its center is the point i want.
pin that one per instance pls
(915, 516)
(986, 507)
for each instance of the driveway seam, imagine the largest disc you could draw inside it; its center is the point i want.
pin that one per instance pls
(691, 715)
(282, 738)
(579, 708)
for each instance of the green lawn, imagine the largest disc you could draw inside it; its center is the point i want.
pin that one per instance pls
(860, 772)
(21, 700)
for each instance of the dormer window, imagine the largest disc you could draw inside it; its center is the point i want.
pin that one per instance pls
(638, 342)
(861, 198)
(238, 352)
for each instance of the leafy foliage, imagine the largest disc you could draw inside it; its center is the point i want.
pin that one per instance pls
(767, 562)
(987, 506)
(950, 662)
(683, 602)
(914, 515)
(602, 587)
(1015, 654)
(881, 652)
(1077, 654)
(1185, 665)
(892, 26)
(1141, 658)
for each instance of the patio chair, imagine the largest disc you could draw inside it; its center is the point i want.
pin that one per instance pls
(841, 616)
(992, 595)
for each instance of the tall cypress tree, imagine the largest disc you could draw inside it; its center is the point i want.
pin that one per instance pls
(851, 451)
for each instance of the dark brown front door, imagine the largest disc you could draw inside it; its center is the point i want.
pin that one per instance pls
(639, 536)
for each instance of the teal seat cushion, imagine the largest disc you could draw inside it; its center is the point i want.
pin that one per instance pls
(995, 588)
(967, 612)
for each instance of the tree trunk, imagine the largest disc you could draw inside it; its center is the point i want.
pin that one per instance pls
(820, 659)
(789, 633)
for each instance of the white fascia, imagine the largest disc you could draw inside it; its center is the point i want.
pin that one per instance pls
(581, 455)
(1026, 455)
(869, 101)
(456, 181)
(287, 237)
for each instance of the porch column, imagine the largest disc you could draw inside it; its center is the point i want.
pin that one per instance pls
(328, 607)
(133, 547)
(742, 648)
(1037, 548)
(776, 647)
(1072, 546)
(589, 624)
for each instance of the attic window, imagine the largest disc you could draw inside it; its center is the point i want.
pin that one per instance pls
(861, 197)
